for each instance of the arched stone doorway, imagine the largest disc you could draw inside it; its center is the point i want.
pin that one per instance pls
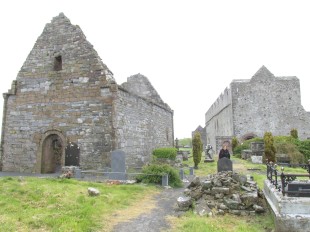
(51, 154)
(50, 157)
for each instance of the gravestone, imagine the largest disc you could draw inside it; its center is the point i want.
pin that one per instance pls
(118, 165)
(224, 164)
(257, 159)
(300, 189)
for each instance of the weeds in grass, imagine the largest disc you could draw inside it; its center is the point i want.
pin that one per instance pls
(62, 205)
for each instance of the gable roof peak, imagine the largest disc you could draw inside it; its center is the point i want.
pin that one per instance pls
(263, 73)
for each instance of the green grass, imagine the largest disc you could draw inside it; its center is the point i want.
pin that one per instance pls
(36, 204)
(227, 223)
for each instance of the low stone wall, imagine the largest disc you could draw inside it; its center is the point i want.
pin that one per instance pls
(290, 213)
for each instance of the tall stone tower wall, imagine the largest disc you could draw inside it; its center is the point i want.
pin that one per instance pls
(257, 105)
(219, 119)
(271, 104)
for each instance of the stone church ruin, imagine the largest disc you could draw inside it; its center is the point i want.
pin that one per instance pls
(253, 106)
(65, 108)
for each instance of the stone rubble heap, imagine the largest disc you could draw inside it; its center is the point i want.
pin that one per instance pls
(224, 192)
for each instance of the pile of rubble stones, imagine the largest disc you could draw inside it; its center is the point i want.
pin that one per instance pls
(224, 192)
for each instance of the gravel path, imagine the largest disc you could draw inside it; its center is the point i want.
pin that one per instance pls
(155, 220)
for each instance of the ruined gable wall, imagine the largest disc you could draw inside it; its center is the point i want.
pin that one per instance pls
(268, 104)
(141, 86)
(141, 126)
(219, 118)
(69, 100)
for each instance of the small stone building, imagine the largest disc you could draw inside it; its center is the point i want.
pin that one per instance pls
(65, 108)
(251, 107)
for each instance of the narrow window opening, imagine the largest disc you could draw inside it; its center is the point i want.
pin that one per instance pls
(58, 63)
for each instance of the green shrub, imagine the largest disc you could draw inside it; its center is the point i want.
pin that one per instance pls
(165, 153)
(294, 133)
(291, 149)
(197, 149)
(246, 145)
(270, 150)
(304, 148)
(153, 174)
(234, 143)
(284, 139)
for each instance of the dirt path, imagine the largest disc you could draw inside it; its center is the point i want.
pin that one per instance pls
(153, 211)
(153, 220)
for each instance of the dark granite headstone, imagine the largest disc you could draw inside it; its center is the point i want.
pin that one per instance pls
(224, 164)
(118, 165)
(300, 189)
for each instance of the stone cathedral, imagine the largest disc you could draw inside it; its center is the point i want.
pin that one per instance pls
(65, 108)
(251, 107)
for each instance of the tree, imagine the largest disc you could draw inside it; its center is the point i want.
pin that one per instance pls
(197, 149)
(185, 141)
(270, 150)
(294, 133)
(234, 143)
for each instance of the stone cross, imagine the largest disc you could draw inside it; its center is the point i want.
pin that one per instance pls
(224, 164)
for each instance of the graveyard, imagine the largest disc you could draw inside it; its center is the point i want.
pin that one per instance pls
(59, 198)
(168, 194)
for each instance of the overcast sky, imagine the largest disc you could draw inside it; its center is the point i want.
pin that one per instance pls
(189, 50)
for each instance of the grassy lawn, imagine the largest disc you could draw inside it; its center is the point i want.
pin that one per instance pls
(227, 223)
(36, 204)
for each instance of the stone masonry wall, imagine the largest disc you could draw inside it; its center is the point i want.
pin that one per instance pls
(64, 94)
(219, 118)
(68, 100)
(268, 103)
(254, 106)
(141, 126)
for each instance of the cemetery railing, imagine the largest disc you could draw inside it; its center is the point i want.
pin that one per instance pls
(282, 180)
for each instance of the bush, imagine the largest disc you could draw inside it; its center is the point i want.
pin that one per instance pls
(234, 143)
(245, 145)
(291, 149)
(153, 174)
(197, 149)
(165, 153)
(294, 133)
(270, 150)
(304, 148)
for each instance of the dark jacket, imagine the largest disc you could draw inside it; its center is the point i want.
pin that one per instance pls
(224, 153)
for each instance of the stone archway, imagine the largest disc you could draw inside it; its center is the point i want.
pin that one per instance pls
(51, 154)
(50, 157)
(248, 136)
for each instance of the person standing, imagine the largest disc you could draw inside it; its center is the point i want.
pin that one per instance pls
(224, 153)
